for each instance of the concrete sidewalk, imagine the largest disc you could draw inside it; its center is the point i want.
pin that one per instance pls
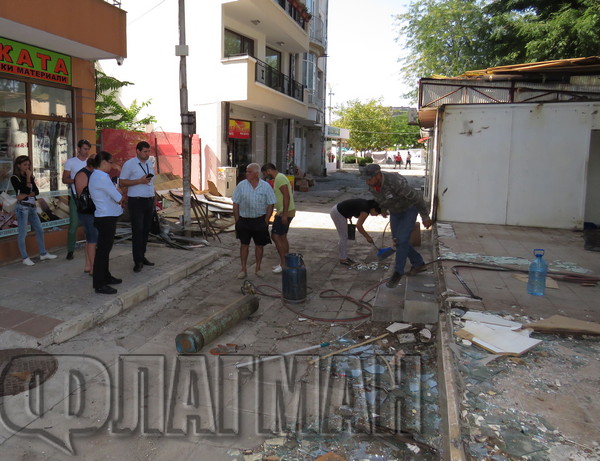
(54, 301)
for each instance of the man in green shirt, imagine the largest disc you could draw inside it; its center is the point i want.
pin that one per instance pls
(285, 211)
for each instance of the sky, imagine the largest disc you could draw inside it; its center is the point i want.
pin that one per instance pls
(362, 60)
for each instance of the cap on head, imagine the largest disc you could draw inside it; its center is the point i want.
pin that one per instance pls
(371, 170)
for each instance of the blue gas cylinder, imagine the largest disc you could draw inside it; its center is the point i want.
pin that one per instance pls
(538, 269)
(294, 279)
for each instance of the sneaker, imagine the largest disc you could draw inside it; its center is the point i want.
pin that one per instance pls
(260, 274)
(47, 256)
(394, 279)
(277, 269)
(416, 269)
(28, 262)
(242, 275)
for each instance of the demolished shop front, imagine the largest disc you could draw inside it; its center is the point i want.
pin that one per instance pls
(37, 119)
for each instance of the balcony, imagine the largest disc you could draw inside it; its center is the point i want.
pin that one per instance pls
(317, 32)
(276, 80)
(295, 10)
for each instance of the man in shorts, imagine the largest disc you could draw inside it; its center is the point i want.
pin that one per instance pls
(253, 202)
(286, 211)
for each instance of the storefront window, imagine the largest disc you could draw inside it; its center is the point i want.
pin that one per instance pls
(51, 143)
(12, 96)
(46, 100)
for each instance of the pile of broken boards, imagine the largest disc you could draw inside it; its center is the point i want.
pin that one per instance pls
(210, 213)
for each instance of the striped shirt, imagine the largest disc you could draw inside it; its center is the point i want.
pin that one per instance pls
(253, 202)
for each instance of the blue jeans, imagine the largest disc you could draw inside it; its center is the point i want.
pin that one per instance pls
(402, 225)
(24, 214)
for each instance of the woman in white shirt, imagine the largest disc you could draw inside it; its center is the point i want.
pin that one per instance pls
(108, 202)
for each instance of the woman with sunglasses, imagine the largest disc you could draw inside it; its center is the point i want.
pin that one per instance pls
(107, 200)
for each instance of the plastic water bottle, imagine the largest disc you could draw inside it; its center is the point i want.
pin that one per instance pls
(536, 285)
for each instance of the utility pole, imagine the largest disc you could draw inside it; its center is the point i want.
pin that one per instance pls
(331, 93)
(188, 120)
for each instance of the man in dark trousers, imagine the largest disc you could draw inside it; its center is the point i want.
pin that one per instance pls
(136, 175)
(402, 203)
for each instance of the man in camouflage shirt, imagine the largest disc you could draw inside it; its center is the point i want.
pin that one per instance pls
(402, 203)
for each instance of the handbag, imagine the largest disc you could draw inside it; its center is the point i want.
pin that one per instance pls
(9, 203)
(84, 202)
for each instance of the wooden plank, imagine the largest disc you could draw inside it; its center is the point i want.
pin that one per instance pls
(561, 324)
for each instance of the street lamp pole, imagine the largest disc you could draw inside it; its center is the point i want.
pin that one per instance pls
(331, 93)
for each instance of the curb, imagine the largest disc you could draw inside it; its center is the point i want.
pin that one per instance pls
(452, 445)
(126, 300)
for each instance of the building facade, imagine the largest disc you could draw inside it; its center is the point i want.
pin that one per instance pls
(256, 80)
(47, 94)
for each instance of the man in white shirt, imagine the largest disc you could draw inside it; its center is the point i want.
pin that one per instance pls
(71, 168)
(136, 175)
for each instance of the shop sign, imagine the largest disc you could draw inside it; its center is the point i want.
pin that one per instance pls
(239, 129)
(30, 61)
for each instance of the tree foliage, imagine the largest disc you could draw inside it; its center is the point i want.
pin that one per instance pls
(111, 113)
(449, 37)
(374, 127)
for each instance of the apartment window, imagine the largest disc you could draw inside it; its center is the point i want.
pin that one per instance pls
(273, 58)
(309, 71)
(237, 45)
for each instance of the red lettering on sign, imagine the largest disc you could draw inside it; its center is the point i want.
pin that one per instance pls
(4, 50)
(61, 67)
(24, 58)
(44, 60)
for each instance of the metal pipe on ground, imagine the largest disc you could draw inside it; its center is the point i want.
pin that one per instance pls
(195, 338)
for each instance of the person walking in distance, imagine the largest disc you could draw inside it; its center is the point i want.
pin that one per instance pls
(71, 168)
(253, 202)
(26, 191)
(286, 210)
(403, 203)
(136, 175)
(398, 160)
(108, 201)
(408, 165)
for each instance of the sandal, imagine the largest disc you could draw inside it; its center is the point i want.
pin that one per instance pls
(346, 262)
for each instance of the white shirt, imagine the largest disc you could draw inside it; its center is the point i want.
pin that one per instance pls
(105, 195)
(74, 166)
(134, 169)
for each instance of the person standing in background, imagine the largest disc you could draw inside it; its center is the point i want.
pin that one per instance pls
(408, 165)
(253, 202)
(86, 218)
(107, 200)
(286, 210)
(26, 191)
(136, 175)
(71, 168)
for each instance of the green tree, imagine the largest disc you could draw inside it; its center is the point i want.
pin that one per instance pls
(543, 30)
(444, 37)
(449, 37)
(110, 113)
(370, 124)
(375, 127)
(404, 136)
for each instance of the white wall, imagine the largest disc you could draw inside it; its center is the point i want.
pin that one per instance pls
(515, 164)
